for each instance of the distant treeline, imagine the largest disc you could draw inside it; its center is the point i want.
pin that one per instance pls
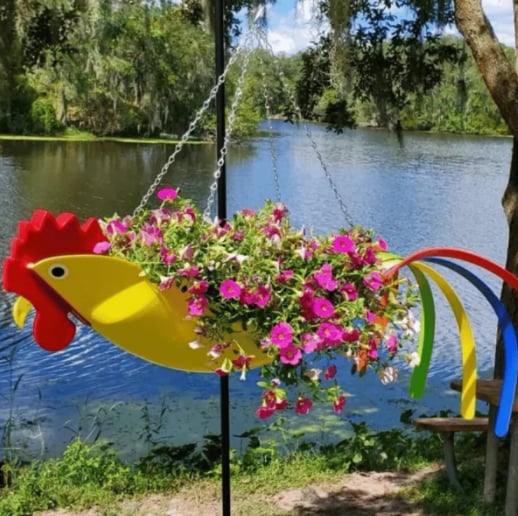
(144, 68)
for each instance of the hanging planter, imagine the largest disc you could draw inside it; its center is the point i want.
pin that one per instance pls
(185, 292)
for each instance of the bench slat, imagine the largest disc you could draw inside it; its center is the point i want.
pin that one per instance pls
(452, 424)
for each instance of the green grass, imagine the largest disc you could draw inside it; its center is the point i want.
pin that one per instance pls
(88, 475)
(76, 135)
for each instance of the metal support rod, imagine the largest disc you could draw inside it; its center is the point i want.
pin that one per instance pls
(219, 36)
(219, 44)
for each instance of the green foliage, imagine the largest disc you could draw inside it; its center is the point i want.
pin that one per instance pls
(43, 117)
(83, 476)
(92, 474)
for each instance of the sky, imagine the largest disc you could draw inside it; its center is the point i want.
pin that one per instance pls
(292, 27)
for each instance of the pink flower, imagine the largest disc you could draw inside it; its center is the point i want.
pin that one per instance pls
(391, 343)
(197, 305)
(373, 349)
(330, 372)
(373, 280)
(167, 256)
(230, 289)
(330, 334)
(282, 334)
(238, 236)
(290, 354)
(351, 335)
(342, 244)
(306, 304)
(349, 291)
(382, 244)
(310, 342)
(324, 277)
(116, 227)
(262, 296)
(247, 297)
(165, 282)
(199, 287)
(284, 276)
(167, 194)
(323, 307)
(101, 247)
(339, 404)
(303, 406)
(150, 235)
(370, 256)
(264, 412)
(189, 271)
(279, 212)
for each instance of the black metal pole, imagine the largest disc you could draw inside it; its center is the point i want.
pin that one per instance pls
(219, 42)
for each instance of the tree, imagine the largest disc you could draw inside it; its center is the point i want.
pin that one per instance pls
(374, 56)
(501, 80)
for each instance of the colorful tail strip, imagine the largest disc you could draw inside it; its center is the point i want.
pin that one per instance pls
(426, 335)
(510, 344)
(467, 340)
(507, 393)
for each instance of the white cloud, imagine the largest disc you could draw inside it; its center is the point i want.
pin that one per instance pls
(293, 30)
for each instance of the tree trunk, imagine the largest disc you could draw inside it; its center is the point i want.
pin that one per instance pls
(502, 83)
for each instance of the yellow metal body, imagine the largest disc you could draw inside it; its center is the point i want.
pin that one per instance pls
(123, 306)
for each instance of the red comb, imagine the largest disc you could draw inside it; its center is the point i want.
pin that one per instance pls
(41, 237)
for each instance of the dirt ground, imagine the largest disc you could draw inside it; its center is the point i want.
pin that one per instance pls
(358, 494)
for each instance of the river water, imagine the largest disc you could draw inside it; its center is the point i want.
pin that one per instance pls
(426, 190)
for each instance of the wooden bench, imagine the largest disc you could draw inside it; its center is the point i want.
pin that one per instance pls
(448, 426)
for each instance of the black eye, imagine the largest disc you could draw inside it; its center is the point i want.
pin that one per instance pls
(58, 271)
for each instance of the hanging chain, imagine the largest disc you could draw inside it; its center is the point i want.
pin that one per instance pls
(271, 146)
(192, 126)
(228, 133)
(343, 208)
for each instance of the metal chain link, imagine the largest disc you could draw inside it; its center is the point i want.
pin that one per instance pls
(271, 146)
(228, 133)
(343, 208)
(192, 126)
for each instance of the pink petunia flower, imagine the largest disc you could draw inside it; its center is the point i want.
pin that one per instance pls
(167, 256)
(351, 335)
(282, 334)
(167, 194)
(197, 305)
(342, 244)
(198, 287)
(324, 277)
(310, 342)
(330, 334)
(339, 404)
(290, 354)
(284, 276)
(391, 343)
(303, 406)
(116, 227)
(373, 280)
(330, 372)
(349, 291)
(101, 247)
(323, 308)
(262, 296)
(264, 412)
(230, 289)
